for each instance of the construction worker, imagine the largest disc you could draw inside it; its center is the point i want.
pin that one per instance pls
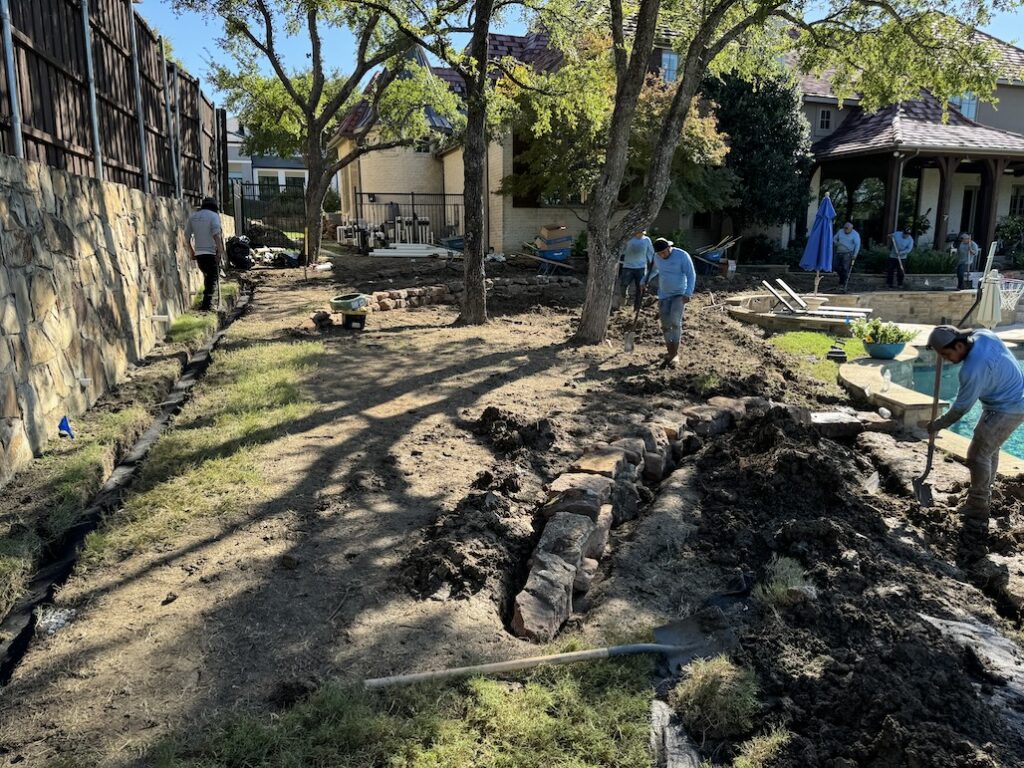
(205, 240)
(991, 374)
(676, 280)
(637, 257)
(846, 246)
(966, 253)
(902, 245)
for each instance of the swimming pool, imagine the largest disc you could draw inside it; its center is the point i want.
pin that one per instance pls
(924, 381)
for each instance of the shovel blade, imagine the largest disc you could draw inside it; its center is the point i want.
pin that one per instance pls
(630, 341)
(923, 492)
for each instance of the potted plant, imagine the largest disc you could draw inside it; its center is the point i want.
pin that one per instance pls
(882, 340)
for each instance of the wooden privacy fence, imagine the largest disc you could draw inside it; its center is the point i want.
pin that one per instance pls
(85, 87)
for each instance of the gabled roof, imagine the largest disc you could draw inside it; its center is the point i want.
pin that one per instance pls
(915, 125)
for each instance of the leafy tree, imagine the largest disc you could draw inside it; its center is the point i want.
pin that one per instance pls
(769, 146)
(884, 50)
(332, 202)
(297, 111)
(440, 26)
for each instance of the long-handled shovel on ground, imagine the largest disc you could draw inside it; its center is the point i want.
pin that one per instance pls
(923, 490)
(630, 339)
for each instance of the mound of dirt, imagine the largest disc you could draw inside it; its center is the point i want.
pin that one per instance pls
(482, 545)
(509, 432)
(850, 667)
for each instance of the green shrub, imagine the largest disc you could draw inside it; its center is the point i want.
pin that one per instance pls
(717, 698)
(928, 261)
(875, 331)
(332, 203)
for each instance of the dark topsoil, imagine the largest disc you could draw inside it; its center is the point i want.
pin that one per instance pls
(854, 673)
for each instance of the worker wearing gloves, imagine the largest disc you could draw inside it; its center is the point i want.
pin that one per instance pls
(676, 280)
(991, 374)
(902, 245)
(637, 257)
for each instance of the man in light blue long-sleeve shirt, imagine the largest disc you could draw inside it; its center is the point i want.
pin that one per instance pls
(676, 280)
(637, 257)
(845, 246)
(991, 374)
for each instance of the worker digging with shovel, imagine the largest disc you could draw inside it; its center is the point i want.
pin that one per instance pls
(991, 374)
(676, 280)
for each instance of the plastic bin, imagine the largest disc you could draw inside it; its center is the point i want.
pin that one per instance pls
(350, 302)
(555, 254)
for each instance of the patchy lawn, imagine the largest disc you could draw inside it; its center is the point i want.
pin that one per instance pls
(577, 715)
(808, 350)
(191, 327)
(207, 466)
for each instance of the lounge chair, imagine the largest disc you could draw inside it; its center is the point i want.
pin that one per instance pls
(802, 308)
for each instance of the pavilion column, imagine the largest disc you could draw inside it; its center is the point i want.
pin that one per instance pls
(893, 181)
(991, 174)
(947, 170)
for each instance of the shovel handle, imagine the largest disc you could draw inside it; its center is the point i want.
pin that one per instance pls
(935, 413)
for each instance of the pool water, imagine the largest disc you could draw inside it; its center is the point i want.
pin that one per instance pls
(924, 381)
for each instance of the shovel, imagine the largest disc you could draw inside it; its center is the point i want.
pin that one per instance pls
(630, 339)
(923, 490)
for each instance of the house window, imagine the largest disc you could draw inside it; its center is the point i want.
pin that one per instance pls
(669, 66)
(294, 182)
(1017, 200)
(824, 119)
(422, 147)
(967, 104)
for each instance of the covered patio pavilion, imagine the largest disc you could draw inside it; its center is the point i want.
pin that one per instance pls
(965, 170)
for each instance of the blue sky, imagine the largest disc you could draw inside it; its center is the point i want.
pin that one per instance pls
(194, 38)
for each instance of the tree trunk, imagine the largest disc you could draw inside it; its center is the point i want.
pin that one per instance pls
(316, 189)
(600, 286)
(474, 303)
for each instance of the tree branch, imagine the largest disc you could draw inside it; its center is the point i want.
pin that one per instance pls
(318, 64)
(618, 40)
(270, 51)
(355, 154)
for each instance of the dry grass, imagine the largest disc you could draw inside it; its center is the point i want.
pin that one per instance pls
(208, 464)
(717, 698)
(760, 751)
(579, 716)
(786, 583)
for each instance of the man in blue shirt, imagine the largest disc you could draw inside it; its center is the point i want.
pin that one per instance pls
(902, 245)
(846, 246)
(676, 281)
(637, 257)
(966, 253)
(991, 374)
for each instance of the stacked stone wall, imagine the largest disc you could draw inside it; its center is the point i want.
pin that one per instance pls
(84, 267)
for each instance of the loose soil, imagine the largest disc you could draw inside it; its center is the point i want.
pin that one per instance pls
(392, 524)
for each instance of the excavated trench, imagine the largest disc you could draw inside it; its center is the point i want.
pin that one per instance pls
(19, 625)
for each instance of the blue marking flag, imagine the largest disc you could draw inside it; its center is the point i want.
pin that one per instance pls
(64, 428)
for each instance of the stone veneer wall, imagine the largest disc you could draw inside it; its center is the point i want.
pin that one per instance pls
(84, 265)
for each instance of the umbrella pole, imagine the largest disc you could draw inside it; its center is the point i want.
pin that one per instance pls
(817, 279)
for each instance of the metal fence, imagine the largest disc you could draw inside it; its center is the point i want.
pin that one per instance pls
(278, 209)
(85, 87)
(407, 217)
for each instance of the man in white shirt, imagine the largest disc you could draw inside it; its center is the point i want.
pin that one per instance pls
(205, 240)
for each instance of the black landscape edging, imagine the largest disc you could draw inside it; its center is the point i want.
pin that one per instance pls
(18, 627)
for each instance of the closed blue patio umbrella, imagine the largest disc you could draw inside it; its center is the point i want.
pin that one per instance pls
(818, 252)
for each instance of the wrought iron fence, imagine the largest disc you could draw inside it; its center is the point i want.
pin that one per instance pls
(278, 209)
(408, 217)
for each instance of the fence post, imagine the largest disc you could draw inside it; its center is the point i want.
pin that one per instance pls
(167, 114)
(177, 132)
(143, 148)
(199, 141)
(222, 153)
(90, 76)
(12, 80)
(415, 222)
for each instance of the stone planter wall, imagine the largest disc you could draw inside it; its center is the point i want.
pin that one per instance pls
(84, 266)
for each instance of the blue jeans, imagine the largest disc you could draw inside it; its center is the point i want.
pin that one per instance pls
(961, 276)
(672, 318)
(631, 276)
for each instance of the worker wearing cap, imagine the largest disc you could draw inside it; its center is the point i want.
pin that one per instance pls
(676, 280)
(991, 374)
(846, 246)
(205, 240)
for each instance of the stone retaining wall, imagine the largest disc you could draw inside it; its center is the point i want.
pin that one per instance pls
(84, 266)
